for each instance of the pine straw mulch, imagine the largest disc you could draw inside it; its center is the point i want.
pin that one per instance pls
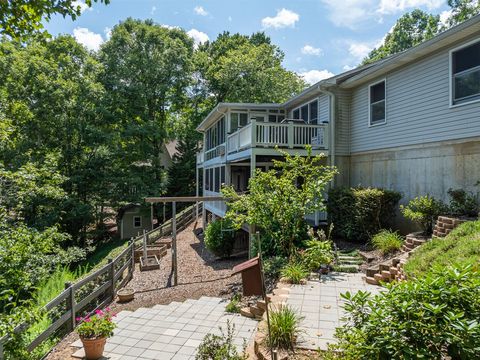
(199, 274)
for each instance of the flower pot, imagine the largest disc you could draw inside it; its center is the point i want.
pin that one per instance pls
(94, 347)
(125, 295)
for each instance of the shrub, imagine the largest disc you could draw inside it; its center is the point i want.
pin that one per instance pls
(432, 317)
(460, 247)
(358, 213)
(234, 305)
(284, 327)
(463, 203)
(219, 238)
(317, 253)
(294, 272)
(215, 347)
(424, 210)
(387, 241)
(272, 266)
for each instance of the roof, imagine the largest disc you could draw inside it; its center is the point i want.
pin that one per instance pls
(121, 211)
(171, 147)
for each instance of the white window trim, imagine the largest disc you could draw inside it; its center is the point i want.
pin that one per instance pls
(369, 120)
(137, 227)
(309, 115)
(450, 75)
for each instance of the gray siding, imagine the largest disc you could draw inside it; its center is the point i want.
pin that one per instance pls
(417, 101)
(323, 108)
(342, 125)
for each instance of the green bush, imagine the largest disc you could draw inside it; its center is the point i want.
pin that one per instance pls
(220, 238)
(294, 272)
(359, 213)
(432, 317)
(424, 210)
(317, 253)
(234, 305)
(272, 267)
(284, 327)
(463, 203)
(387, 241)
(460, 247)
(215, 347)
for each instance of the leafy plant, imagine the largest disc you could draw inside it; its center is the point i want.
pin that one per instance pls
(463, 203)
(279, 199)
(219, 237)
(215, 347)
(387, 241)
(272, 266)
(317, 253)
(284, 327)
(96, 326)
(234, 305)
(432, 317)
(359, 213)
(424, 210)
(294, 272)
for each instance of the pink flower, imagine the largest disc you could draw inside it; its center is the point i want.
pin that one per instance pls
(99, 312)
(79, 318)
(87, 320)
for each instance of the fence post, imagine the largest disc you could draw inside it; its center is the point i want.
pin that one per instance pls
(132, 244)
(111, 271)
(70, 306)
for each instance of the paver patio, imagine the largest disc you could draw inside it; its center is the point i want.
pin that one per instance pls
(320, 304)
(172, 331)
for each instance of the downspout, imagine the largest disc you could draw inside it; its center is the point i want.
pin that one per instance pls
(332, 128)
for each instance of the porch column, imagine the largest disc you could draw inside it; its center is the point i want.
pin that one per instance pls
(196, 192)
(204, 212)
(253, 163)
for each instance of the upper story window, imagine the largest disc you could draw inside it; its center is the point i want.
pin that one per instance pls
(215, 135)
(237, 120)
(377, 104)
(307, 112)
(465, 65)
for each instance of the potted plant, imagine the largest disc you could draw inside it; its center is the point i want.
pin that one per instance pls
(94, 331)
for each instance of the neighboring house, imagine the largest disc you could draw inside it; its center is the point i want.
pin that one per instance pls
(169, 150)
(410, 122)
(132, 219)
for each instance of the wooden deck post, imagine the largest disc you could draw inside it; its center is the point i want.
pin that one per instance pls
(174, 243)
(144, 247)
(111, 274)
(70, 305)
(132, 244)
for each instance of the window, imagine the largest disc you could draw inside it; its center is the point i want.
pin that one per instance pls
(222, 175)
(296, 114)
(307, 112)
(313, 111)
(465, 65)
(137, 221)
(217, 180)
(377, 103)
(237, 120)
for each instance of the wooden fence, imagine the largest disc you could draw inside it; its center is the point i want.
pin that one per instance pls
(98, 289)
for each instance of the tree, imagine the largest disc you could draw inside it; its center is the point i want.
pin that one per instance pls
(279, 199)
(462, 10)
(147, 72)
(239, 68)
(21, 19)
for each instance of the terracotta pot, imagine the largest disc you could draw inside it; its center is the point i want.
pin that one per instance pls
(94, 347)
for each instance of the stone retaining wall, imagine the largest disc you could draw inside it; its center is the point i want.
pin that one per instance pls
(445, 224)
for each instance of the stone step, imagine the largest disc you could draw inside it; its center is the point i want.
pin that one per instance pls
(372, 271)
(262, 305)
(386, 274)
(370, 280)
(393, 271)
(257, 312)
(384, 266)
(246, 312)
(418, 242)
(281, 291)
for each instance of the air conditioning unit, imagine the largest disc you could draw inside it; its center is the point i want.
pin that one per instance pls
(221, 150)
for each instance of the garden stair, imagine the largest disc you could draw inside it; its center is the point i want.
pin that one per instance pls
(347, 262)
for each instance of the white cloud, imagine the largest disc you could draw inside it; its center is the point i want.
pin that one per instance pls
(230, 18)
(284, 18)
(350, 13)
(170, 27)
(154, 8)
(358, 50)
(314, 76)
(199, 10)
(198, 36)
(348, 67)
(82, 5)
(108, 32)
(310, 50)
(89, 39)
(444, 16)
(396, 6)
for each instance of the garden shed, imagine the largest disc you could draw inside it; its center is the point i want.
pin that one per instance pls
(132, 219)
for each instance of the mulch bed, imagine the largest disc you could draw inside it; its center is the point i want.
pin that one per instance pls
(199, 274)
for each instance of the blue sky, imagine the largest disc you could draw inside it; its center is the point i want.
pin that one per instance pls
(319, 37)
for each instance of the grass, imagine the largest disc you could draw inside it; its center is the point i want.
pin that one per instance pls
(234, 305)
(294, 273)
(460, 247)
(387, 241)
(284, 327)
(103, 252)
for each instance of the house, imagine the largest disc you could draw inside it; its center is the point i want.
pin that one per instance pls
(410, 122)
(132, 219)
(169, 150)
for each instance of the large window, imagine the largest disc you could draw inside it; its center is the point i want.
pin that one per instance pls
(215, 177)
(466, 74)
(307, 112)
(377, 103)
(237, 120)
(216, 134)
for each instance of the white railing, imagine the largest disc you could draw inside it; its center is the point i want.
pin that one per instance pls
(217, 207)
(210, 154)
(200, 157)
(286, 135)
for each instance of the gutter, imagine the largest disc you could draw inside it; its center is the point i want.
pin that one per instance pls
(332, 127)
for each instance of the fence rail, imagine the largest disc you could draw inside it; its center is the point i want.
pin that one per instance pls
(98, 289)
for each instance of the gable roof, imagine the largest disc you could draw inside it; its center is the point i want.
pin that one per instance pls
(171, 147)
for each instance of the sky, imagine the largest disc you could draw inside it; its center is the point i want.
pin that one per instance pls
(319, 37)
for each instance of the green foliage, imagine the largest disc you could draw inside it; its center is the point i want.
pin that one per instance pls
(462, 10)
(294, 272)
(215, 347)
(387, 241)
(234, 305)
(279, 199)
(272, 266)
(432, 317)
(317, 252)
(424, 210)
(220, 237)
(463, 203)
(359, 213)
(96, 326)
(284, 327)
(460, 247)
(21, 19)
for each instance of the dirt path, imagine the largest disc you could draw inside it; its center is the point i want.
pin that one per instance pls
(199, 274)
